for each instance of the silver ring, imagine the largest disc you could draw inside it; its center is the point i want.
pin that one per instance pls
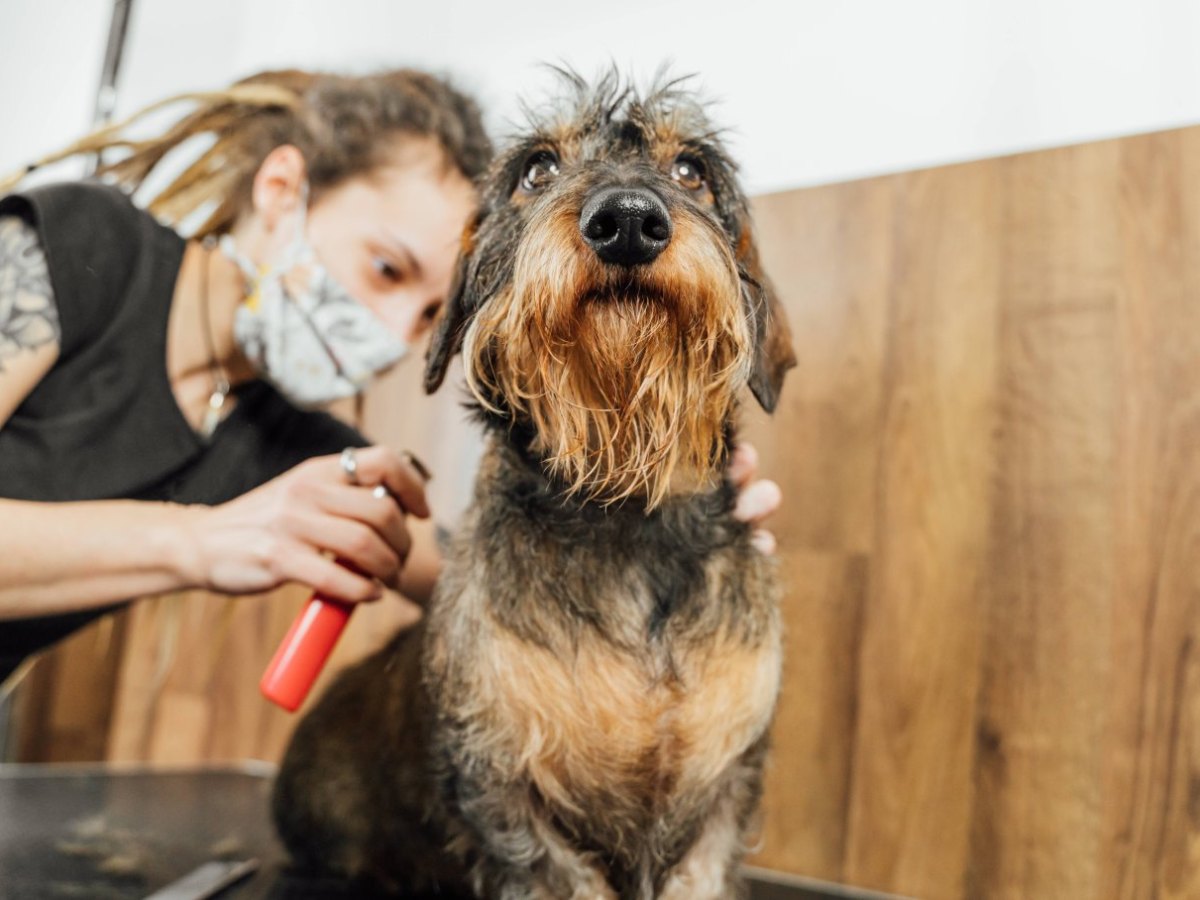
(349, 465)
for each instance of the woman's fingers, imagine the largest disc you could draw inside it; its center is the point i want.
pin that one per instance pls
(300, 562)
(382, 465)
(354, 542)
(362, 504)
(763, 541)
(743, 464)
(284, 529)
(359, 517)
(757, 501)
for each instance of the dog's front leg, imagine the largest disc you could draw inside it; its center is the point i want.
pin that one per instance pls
(561, 873)
(520, 855)
(710, 869)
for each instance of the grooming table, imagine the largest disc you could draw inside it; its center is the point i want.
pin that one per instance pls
(113, 833)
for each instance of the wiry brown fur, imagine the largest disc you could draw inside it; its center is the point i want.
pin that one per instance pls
(623, 389)
(584, 712)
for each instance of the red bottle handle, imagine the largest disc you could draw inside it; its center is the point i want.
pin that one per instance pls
(304, 650)
(311, 639)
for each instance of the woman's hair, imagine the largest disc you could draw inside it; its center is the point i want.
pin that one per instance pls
(343, 125)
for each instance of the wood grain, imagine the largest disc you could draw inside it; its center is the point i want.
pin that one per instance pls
(990, 457)
(1152, 810)
(1041, 721)
(1025, 716)
(809, 773)
(917, 681)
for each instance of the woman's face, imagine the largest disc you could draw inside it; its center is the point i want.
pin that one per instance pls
(391, 237)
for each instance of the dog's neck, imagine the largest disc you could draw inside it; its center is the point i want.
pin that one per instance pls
(519, 439)
(661, 558)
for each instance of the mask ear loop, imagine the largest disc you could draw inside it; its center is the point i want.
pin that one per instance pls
(301, 236)
(254, 274)
(298, 247)
(229, 248)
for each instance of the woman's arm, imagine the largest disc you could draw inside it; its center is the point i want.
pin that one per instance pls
(71, 556)
(61, 557)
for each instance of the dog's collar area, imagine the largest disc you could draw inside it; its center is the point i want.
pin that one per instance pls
(542, 494)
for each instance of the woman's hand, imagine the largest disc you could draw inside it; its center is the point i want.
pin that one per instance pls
(283, 530)
(757, 499)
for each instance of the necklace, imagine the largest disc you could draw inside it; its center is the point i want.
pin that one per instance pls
(216, 400)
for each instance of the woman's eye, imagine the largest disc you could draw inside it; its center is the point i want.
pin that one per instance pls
(387, 271)
(688, 173)
(540, 169)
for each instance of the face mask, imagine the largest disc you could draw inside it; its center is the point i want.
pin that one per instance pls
(303, 331)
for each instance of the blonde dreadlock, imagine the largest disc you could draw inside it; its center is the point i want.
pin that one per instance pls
(342, 125)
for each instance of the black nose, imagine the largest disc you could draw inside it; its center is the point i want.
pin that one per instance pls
(625, 226)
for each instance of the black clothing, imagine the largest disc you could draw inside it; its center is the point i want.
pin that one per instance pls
(103, 423)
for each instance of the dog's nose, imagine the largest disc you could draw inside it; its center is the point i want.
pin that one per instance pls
(625, 226)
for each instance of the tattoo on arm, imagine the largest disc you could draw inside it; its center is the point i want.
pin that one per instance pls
(28, 315)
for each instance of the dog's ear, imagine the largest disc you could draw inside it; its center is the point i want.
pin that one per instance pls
(452, 324)
(773, 353)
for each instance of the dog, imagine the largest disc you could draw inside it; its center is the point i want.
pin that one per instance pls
(583, 711)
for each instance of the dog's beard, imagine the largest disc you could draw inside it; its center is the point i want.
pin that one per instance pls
(627, 385)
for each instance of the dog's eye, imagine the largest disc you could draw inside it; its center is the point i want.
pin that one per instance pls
(540, 169)
(688, 173)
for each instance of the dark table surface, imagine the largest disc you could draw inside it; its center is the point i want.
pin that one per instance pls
(105, 833)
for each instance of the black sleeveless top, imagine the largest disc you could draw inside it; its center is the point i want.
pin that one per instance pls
(103, 423)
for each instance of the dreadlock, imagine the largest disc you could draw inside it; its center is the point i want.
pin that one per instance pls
(343, 126)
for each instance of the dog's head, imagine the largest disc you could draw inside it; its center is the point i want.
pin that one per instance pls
(609, 301)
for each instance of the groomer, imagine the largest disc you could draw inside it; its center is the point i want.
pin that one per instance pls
(158, 421)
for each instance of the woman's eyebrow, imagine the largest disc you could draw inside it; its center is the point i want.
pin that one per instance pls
(400, 248)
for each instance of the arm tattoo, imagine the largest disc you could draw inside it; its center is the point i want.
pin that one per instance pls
(28, 315)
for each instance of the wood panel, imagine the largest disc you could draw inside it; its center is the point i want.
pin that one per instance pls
(1042, 726)
(188, 687)
(1025, 710)
(991, 538)
(65, 707)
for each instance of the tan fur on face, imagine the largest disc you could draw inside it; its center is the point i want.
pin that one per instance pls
(627, 384)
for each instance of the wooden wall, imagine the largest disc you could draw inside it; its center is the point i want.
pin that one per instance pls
(990, 457)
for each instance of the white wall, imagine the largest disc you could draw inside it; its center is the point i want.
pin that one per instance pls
(815, 91)
(51, 52)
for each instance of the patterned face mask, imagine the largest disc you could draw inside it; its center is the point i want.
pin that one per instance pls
(303, 331)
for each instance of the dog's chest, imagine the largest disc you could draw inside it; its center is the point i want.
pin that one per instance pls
(604, 723)
(631, 661)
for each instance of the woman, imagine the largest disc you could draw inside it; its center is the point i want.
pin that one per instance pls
(157, 389)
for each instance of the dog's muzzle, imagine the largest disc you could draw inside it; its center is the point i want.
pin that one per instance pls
(625, 226)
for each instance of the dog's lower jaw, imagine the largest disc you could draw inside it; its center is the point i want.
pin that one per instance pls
(659, 481)
(666, 477)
